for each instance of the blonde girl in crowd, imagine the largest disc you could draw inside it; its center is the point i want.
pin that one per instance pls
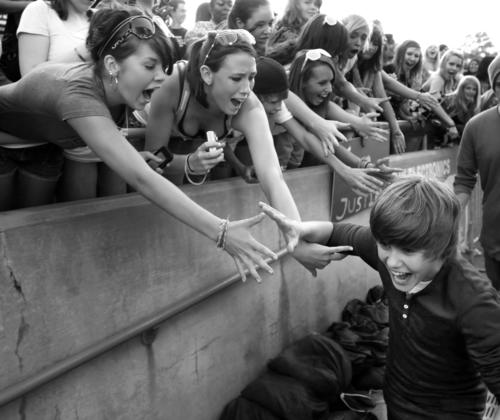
(445, 80)
(366, 72)
(464, 103)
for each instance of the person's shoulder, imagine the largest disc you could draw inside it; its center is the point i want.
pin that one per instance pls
(466, 283)
(37, 9)
(39, 4)
(252, 102)
(483, 116)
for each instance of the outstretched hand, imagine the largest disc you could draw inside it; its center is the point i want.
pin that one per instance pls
(316, 256)
(311, 255)
(373, 104)
(246, 251)
(384, 171)
(329, 134)
(290, 228)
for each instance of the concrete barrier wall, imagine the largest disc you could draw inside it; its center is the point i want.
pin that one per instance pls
(74, 274)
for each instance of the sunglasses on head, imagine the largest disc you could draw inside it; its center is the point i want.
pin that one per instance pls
(229, 37)
(314, 55)
(140, 26)
(328, 20)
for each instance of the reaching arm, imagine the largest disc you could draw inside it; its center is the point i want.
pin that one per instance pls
(345, 89)
(102, 136)
(252, 122)
(397, 136)
(345, 163)
(33, 50)
(364, 125)
(327, 131)
(392, 85)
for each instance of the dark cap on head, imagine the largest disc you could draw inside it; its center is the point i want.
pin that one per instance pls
(271, 77)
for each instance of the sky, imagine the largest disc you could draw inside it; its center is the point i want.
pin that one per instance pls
(425, 21)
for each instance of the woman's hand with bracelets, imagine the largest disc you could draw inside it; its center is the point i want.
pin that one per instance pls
(247, 252)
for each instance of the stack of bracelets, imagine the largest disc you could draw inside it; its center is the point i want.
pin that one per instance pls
(189, 171)
(221, 236)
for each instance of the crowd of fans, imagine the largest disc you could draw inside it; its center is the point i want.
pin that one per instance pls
(352, 78)
(106, 98)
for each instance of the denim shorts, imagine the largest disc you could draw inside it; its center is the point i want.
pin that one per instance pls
(45, 160)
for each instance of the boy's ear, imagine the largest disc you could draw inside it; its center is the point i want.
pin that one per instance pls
(239, 23)
(206, 75)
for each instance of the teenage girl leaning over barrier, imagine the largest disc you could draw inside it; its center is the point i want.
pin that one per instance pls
(213, 92)
(74, 105)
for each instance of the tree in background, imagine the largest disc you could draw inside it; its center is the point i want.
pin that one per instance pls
(478, 45)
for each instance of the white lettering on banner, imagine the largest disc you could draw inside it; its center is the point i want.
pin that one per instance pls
(438, 169)
(353, 205)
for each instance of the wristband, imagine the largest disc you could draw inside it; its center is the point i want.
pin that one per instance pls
(188, 171)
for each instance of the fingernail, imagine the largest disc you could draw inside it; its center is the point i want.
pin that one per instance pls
(270, 271)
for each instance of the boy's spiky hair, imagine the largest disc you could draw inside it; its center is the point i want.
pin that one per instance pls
(417, 214)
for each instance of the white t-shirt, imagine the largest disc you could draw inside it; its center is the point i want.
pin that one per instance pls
(279, 118)
(39, 18)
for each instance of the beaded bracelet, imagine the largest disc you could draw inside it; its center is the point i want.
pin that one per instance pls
(188, 170)
(221, 236)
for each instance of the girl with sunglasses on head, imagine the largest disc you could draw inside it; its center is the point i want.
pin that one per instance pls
(332, 35)
(73, 105)
(311, 78)
(318, 34)
(256, 17)
(213, 92)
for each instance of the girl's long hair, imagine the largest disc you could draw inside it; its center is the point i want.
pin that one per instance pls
(466, 110)
(374, 64)
(300, 73)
